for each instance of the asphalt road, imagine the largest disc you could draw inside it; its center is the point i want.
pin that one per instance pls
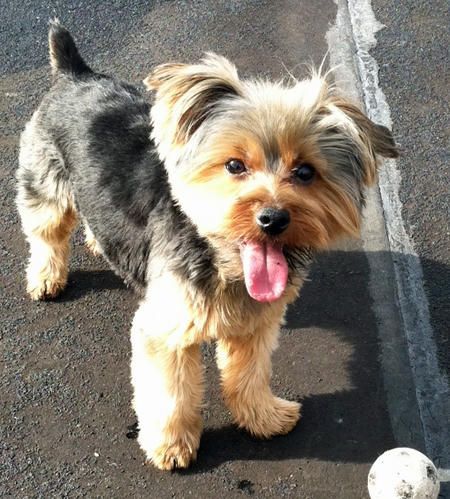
(66, 421)
(414, 53)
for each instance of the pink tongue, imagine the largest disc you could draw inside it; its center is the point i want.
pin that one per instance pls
(265, 271)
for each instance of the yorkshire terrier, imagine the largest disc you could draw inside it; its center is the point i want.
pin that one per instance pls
(210, 204)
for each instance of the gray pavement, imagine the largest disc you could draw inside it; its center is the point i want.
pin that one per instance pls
(66, 421)
(413, 51)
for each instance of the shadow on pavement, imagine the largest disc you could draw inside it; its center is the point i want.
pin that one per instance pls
(348, 425)
(84, 282)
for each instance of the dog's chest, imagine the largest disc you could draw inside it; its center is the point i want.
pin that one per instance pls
(232, 312)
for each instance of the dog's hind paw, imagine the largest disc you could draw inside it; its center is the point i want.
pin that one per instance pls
(93, 247)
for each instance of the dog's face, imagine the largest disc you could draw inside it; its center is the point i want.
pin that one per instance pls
(262, 169)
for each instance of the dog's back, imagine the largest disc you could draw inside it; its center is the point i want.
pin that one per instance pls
(87, 151)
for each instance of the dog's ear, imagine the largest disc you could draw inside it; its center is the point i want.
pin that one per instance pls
(369, 139)
(187, 95)
(379, 136)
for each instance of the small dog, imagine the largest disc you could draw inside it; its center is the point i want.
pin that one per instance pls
(210, 204)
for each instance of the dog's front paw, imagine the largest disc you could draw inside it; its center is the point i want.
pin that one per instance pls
(168, 451)
(274, 417)
(175, 455)
(44, 288)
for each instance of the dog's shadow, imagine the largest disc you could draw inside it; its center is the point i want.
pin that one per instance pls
(85, 282)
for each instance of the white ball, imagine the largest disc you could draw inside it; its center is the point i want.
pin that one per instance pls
(403, 473)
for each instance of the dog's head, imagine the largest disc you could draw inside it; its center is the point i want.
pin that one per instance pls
(263, 169)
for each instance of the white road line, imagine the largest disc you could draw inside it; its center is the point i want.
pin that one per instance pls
(357, 19)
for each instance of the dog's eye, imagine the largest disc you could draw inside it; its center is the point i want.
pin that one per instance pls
(305, 173)
(235, 167)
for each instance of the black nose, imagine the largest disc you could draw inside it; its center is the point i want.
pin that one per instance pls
(273, 221)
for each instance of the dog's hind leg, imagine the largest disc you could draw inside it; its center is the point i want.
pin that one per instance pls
(46, 208)
(89, 239)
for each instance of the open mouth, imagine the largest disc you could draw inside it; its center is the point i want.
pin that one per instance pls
(265, 270)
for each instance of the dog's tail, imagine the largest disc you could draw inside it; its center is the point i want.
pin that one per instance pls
(64, 55)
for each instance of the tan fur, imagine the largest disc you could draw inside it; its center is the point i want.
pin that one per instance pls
(48, 231)
(199, 84)
(91, 243)
(245, 367)
(167, 376)
(168, 328)
(320, 212)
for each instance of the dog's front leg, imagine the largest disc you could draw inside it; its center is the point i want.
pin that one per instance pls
(245, 364)
(167, 376)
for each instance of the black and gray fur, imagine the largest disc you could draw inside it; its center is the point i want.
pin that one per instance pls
(93, 133)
